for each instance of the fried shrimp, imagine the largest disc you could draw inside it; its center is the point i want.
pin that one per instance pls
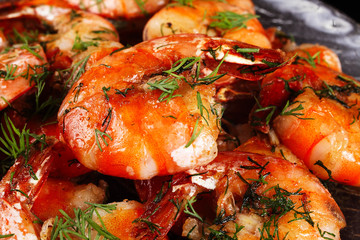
(211, 18)
(253, 196)
(133, 115)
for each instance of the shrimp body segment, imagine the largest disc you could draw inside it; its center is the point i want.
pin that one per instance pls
(256, 196)
(334, 140)
(123, 119)
(201, 17)
(316, 117)
(17, 66)
(78, 33)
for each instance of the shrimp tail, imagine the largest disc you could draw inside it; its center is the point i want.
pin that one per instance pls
(164, 208)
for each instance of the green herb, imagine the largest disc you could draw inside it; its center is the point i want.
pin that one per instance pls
(102, 136)
(81, 46)
(125, 92)
(98, 3)
(247, 52)
(222, 219)
(31, 49)
(201, 108)
(187, 3)
(311, 59)
(9, 72)
(167, 86)
(141, 5)
(230, 20)
(82, 226)
(74, 14)
(271, 109)
(194, 134)
(26, 37)
(77, 88)
(104, 30)
(324, 233)
(294, 112)
(16, 142)
(170, 116)
(77, 70)
(167, 25)
(12, 189)
(153, 227)
(7, 235)
(189, 209)
(105, 90)
(107, 119)
(178, 205)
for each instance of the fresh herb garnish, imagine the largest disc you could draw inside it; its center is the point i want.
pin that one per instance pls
(83, 225)
(9, 72)
(230, 20)
(102, 136)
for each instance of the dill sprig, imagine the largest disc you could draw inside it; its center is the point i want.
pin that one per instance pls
(102, 136)
(83, 225)
(80, 45)
(168, 86)
(16, 143)
(189, 209)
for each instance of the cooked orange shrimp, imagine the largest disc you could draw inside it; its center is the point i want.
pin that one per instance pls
(208, 17)
(120, 8)
(253, 196)
(131, 116)
(19, 188)
(318, 117)
(78, 33)
(115, 9)
(114, 219)
(32, 189)
(17, 66)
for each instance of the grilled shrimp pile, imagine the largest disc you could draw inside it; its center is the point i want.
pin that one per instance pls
(169, 120)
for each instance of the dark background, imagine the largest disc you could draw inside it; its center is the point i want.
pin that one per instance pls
(349, 7)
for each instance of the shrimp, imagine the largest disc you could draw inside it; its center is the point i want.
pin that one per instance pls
(78, 33)
(19, 188)
(17, 66)
(114, 219)
(38, 185)
(208, 18)
(81, 38)
(253, 196)
(315, 114)
(114, 9)
(131, 116)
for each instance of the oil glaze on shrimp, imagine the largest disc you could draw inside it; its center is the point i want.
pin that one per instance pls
(119, 121)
